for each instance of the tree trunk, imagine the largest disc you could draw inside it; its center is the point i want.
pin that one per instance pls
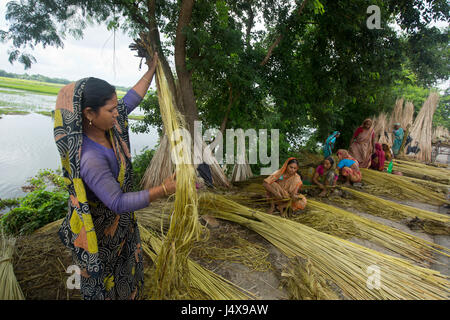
(183, 96)
(184, 76)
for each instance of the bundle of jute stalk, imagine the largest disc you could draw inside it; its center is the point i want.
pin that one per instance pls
(425, 172)
(347, 264)
(303, 282)
(391, 184)
(434, 223)
(204, 283)
(396, 115)
(9, 287)
(438, 169)
(434, 186)
(409, 246)
(421, 131)
(408, 115)
(171, 277)
(380, 128)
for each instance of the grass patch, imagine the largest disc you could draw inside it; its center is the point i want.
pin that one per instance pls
(19, 93)
(10, 111)
(7, 104)
(45, 113)
(136, 117)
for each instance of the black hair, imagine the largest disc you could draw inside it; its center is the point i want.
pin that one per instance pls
(96, 93)
(329, 159)
(293, 161)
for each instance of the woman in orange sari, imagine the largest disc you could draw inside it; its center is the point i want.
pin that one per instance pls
(362, 145)
(283, 184)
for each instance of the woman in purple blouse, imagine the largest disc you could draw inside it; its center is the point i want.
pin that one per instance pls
(91, 133)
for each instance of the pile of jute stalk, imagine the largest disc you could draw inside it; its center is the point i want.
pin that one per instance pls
(423, 172)
(437, 223)
(347, 264)
(204, 283)
(414, 248)
(171, 277)
(9, 287)
(391, 184)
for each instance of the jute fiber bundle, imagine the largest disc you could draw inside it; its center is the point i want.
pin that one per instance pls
(408, 115)
(9, 287)
(204, 284)
(441, 133)
(393, 185)
(421, 131)
(380, 128)
(303, 282)
(252, 255)
(434, 223)
(347, 264)
(396, 115)
(425, 172)
(170, 267)
(160, 166)
(409, 246)
(241, 170)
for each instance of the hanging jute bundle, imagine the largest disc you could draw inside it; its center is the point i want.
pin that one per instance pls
(171, 278)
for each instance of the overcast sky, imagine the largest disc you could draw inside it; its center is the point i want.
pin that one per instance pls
(92, 56)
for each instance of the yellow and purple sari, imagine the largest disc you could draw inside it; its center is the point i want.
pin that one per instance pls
(105, 245)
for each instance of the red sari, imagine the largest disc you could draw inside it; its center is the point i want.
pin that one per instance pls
(362, 145)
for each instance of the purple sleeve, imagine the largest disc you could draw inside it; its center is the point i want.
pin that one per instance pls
(132, 100)
(97, 175)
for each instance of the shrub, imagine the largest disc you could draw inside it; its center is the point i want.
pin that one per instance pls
(140, 164)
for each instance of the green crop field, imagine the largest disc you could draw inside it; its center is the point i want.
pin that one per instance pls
(37, 86)
(30, 85)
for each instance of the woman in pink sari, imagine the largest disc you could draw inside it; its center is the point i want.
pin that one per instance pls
(378, 158)
(285, 184)
(362, 145)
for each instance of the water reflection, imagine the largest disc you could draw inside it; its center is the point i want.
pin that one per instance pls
(27, 145)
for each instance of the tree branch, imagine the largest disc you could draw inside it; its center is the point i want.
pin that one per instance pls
(280, 37)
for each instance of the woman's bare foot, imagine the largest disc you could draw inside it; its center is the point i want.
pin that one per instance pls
(347, 184)
(271, 210)
(211, 221)
(323, 193)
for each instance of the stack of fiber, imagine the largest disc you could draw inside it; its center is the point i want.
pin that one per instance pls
(421, 131)
(349, 266)
(9, 287)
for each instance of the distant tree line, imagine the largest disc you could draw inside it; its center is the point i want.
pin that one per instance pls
(35, 77)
